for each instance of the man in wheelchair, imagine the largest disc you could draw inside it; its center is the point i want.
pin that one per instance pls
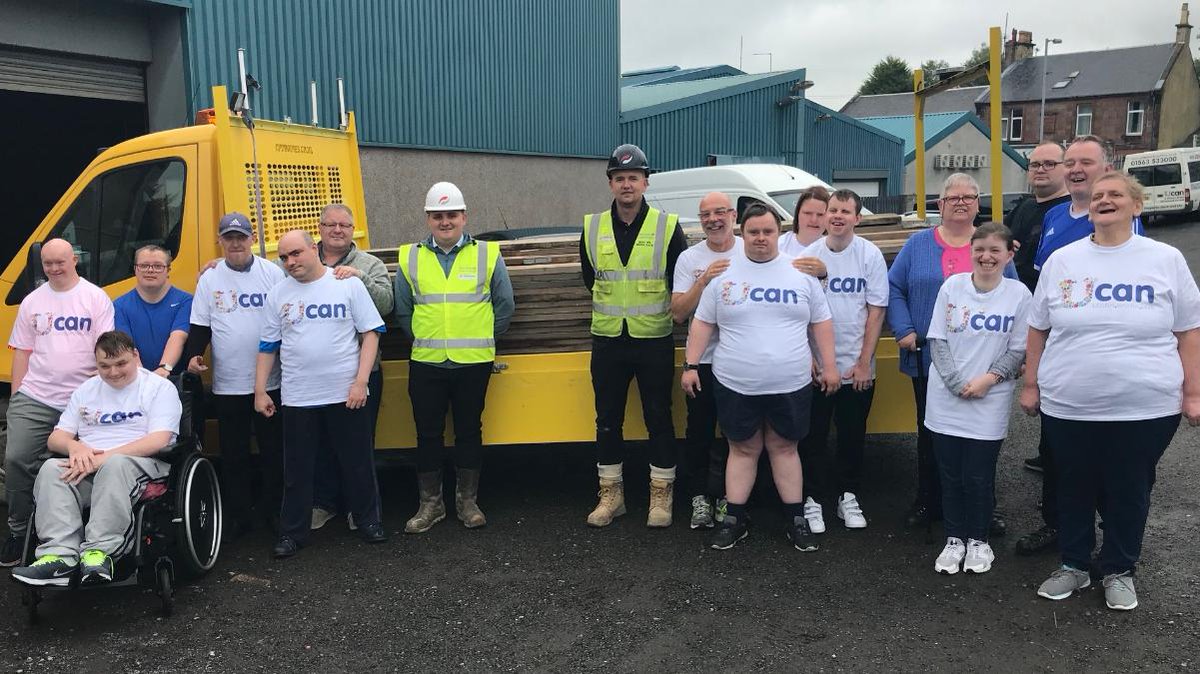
(109, 434)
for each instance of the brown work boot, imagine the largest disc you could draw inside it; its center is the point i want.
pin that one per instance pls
(612, 503)
(661, 492)
(432, 510)
(466, 492)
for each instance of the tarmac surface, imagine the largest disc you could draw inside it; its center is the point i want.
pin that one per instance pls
(539, 590)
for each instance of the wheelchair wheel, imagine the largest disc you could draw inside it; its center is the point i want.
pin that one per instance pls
(162, 586)
(198, 516)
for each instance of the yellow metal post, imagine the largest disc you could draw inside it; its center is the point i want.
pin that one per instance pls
(919, 139)
(997, 103)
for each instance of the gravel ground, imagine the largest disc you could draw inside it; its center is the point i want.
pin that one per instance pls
(539, 590)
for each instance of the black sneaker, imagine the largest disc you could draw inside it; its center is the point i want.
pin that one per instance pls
(998, 527)
(48, 570)
(286, 547)
(13, 550)
(729, 532)
(1034, 542)
(372, 533)
(1035, 464)
(920, 516)
(801, 536)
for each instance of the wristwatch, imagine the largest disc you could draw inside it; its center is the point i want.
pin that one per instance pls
(690, 366)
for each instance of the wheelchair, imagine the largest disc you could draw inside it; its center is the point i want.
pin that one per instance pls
(178, 519)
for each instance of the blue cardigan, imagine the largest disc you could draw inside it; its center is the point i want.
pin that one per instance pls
(914, 280)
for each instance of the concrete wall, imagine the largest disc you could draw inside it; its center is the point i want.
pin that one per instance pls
(513, 190)
(1179, 109)
(966, 139)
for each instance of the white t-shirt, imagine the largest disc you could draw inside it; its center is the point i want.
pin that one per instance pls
(857, 277)
(233, 305)
(764, 310)
(1111, 312)
(979, 327)
(790, 246)
(690, 266)
(318, 324)
(104, 417)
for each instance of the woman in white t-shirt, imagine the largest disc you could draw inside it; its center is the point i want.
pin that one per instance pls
(808, 222)
(1114, 357)
(977, 343)
(762, 393)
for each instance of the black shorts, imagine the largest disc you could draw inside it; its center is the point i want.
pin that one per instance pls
(741, 416)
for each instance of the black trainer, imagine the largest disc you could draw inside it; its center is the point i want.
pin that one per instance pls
(1036, 541)
(13, 550)
(1035, 464)
(286, 547)
(729, 532)
(48, 570)
(372, 533)
(801, 536)
(920, 516)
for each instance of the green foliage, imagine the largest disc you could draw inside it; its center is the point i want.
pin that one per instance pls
(890, 76)
(931, 66)
(979, 55)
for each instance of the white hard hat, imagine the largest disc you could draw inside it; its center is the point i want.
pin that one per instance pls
(444, 197)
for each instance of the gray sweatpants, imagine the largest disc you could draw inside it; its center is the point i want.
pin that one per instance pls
(111, 491)
(29, 424)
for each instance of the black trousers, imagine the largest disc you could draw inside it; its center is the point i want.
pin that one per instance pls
(615, 362)
(461, 390)
(705, 454)
(327, 493)
(237, 419)
(1113, 462)
(347, 433)
(929, 483)
(968, 478)
(1049, 480)
(849, 410)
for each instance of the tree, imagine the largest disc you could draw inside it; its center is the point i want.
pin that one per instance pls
(890, 76)
(981, 54)
(932, 66)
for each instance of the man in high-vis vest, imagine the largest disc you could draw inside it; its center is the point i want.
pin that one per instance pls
(453, 297)
(627, 255)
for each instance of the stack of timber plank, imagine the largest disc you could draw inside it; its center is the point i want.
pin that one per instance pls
(554, 308)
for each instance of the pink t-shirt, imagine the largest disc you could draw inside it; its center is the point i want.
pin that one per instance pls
(954, 260)
(60, 329)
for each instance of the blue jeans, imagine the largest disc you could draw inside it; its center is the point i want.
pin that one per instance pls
(968, 475)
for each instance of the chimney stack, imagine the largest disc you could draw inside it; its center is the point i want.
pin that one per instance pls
(1183, 29)
(1023, 48)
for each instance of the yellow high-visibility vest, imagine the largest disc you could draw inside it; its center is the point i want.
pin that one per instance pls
(452, 315)
(635, 294)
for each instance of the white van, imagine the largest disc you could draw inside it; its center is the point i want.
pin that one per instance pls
(1170, 177)
(776, 185)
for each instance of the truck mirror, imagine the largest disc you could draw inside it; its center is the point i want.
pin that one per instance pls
(33, 266)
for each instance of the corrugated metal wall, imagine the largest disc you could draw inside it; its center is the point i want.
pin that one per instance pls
(746, 124)
(833, 142)
(522, 76)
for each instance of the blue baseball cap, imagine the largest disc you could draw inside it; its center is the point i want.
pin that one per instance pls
(235, 222)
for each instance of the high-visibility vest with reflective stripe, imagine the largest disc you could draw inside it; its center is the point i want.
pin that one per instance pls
(636, 293)
(452, 315)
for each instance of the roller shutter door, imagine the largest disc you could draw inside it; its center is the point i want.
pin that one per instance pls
(66, 75)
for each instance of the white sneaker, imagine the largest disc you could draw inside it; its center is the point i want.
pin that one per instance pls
(979, 557)
(951, 558)
(815, 516)
(320, 517)
(849, 512)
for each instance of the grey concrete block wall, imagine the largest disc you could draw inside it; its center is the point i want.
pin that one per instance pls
(501, 191)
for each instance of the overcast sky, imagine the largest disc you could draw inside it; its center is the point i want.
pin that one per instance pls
(838, 41)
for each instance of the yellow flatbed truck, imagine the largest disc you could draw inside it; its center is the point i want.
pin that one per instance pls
(171, 187)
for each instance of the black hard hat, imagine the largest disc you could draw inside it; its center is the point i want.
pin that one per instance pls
(628, 157)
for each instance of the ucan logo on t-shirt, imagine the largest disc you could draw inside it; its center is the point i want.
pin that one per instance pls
(294, 313)
(1111, 294)
(101, 418)
(846, 284)
(44, 323)
(734, 293)
(960, 318)
(226, 301)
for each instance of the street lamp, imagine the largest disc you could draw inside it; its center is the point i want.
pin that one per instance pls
(1045, 67)
(770, 59)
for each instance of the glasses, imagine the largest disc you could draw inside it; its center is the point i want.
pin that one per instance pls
(1049, 165)
(151, 267)
(338, 225)
(715, 213)
(961, 199)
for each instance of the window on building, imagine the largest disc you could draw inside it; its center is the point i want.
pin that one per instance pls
(1083, 120)
(1016, 124)
(1133, 119)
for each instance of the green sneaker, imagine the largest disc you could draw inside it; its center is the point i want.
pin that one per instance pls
(95, 567)
(48, 570)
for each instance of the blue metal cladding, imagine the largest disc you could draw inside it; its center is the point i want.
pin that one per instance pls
(834, 142)
(522, 76)
(749, 123)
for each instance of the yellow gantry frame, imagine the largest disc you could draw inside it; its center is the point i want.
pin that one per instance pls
(995, 103)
